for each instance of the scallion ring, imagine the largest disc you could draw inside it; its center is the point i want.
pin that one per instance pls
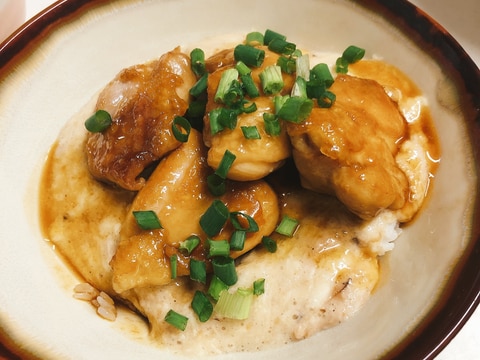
(181, 128)
(98, 122)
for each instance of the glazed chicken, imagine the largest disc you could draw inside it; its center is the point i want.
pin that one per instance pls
(254, 158)
(177, 191)
(349, 149)
(142, 101)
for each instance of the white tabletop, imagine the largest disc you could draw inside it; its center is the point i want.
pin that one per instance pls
(460, 18)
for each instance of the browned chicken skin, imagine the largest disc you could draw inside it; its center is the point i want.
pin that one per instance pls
(349, 149)
(142, 100)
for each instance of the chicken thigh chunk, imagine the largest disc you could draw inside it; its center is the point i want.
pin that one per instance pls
(349, 149)
(142, 101)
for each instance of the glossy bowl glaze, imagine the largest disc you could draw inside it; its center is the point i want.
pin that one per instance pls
(53, 66)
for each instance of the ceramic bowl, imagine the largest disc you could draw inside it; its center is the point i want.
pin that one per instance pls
(54, 65)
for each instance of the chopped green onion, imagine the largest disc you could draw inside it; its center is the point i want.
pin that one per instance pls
(200, 86)
(249, 85)
(197, 57)
(242, 68)
(287, 64)
(224, 269)
(287, 226)
(251, 56)
(353, 53)
(147, 220)
(303, 67)
(173, 266)
(202, 306)
(278, 102)
(270, 35)
(98, 122)
(252, 225)
(269, 244)
(189, 244)
(235, 305)
(281, 46)
(250, 132)
(259, 287)
(254, 38)
(176, 319)
(221, 118)
(315, 89)
(234, 96)
(198, 271)
(295, 109)
(225, 164)
(327, 99)
(249, 108)
(216, 287)
(341, 66)
(299, 87)
(196, 112)
(271, 78)
(218, 247)
(237, 240)
(320, 74)
(228, 76)
(272, 124)
(181, 128)
(216, 184)
(214, 218)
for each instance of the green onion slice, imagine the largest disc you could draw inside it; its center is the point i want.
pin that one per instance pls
(189, 244)
(270, 35)
(303, 66)
(218, 248)
(272, 124)
(214, 218)
(353, 53)
(198, 271)
(224, 269)
(216, 184)
(281, 46)
(177, 320)
(251, 56)
(288, 65)
(299, 87)
(197, 58)
(181, 128)
(327, 99)
(249, 85)
(202, 306)
(237, 240)
(295, 109)
(98, 122)
(221, 118)
(287, 226)
(216, 287)
(225, 164)
(200, 86)
(228, 76)
(147, 220)
(271, 78)
(269, 244)
(250, 132)
(259, 287)
(341, 66)
(252, 225)
(254, 38)
(235, 305)
(320, 74)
